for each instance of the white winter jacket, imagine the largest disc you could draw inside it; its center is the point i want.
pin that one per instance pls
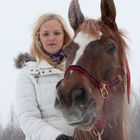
(35, 96)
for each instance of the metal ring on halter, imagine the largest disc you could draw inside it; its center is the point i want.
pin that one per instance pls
(104, 91)
(97, 133)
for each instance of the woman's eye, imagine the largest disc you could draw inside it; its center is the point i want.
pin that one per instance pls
(45, 34)
(57, 33)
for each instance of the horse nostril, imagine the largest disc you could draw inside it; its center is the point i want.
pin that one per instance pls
(79, 96)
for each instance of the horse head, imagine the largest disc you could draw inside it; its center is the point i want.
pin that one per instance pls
(92, 92)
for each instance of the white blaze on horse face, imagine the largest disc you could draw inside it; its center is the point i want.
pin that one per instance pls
(83, 39)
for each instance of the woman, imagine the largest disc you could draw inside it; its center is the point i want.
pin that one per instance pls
(35, 90)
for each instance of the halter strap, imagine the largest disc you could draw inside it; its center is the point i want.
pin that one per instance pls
(103, 87)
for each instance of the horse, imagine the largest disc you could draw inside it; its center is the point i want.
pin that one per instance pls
(94, 96)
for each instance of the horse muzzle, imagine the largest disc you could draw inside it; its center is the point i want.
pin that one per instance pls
(81, 111)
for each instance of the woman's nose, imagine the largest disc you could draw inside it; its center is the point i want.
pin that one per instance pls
(51, 37)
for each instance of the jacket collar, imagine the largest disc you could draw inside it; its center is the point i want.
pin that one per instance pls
(44, 64)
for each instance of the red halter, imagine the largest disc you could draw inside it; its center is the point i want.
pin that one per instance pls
(104, 88)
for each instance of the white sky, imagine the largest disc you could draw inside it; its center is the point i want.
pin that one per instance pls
(16, 21)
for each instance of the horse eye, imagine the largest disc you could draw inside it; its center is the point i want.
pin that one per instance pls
(111, 49)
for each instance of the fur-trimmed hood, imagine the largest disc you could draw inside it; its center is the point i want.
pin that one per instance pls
(22, 58)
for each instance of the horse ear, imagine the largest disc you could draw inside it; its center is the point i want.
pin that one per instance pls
(108, 12)
(75, 15)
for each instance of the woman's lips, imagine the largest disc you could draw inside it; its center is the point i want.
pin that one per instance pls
(51, 45)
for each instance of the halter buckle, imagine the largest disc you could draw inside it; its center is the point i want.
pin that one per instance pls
(104, 91)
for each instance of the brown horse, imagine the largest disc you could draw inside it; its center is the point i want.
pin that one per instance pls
(94, 94)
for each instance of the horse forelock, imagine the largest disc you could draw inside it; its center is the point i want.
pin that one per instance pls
(91, 27)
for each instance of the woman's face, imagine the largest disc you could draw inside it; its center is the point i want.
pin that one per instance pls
(52, 36)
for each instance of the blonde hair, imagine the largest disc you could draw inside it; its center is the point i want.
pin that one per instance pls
(36, 48)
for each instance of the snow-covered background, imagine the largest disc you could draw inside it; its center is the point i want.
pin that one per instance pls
(16, 21)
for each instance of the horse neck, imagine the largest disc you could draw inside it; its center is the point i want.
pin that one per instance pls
(118, 121)
(114, 120)
(114, 129)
